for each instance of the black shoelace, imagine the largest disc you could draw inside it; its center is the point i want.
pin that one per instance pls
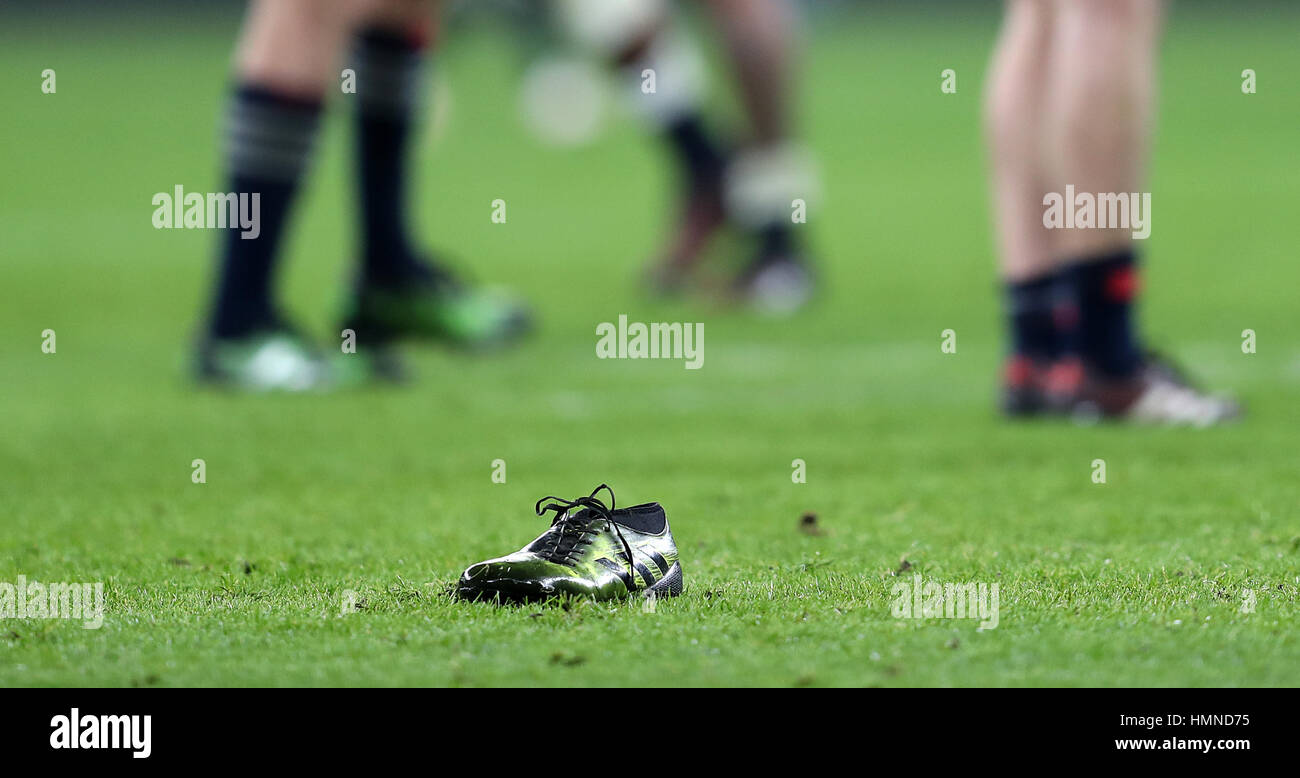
(574, 521)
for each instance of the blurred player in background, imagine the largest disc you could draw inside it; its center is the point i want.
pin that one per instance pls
(290, 56)
(750, 183)
(289, 59)
(1069, 103)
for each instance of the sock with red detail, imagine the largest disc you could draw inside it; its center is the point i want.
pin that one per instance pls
(1105, 288)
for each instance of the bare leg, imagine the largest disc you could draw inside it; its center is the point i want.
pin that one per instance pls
(1014, 105)
(292, 46)
(1100, 101)
(757, 34)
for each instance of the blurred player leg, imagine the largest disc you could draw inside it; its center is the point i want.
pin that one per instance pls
(771, 172)
(675, 112)
(1014, 108)
(758, 37)
(1102, 102)
(284, 62)
(1100, 95)
(640, 38)
(753, 186)
(399, 292)
(388, 57)
(1103, 84)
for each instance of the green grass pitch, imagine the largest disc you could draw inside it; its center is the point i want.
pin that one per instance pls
(1143, 580)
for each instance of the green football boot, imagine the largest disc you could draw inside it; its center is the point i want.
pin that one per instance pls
(590, 550)
(368, 365)
(275, 359)
(435, 306)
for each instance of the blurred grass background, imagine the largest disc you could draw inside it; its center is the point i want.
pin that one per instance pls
(388, 492)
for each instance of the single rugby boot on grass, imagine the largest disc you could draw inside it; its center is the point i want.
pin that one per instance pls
(590, 550)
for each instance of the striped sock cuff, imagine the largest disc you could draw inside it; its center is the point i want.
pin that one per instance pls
(270, 135)
(389, 73)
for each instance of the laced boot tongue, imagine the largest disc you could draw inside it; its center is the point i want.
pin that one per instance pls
(567, 532)
(573, 520)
